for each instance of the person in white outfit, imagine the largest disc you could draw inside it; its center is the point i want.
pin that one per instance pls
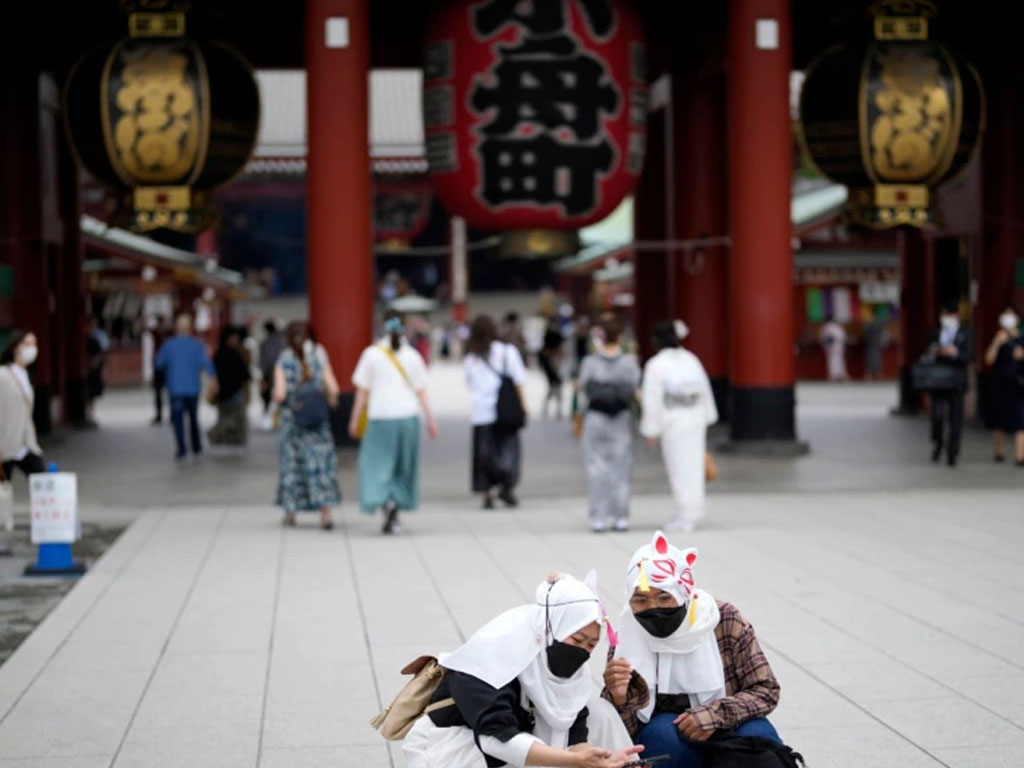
(519, 692)
(678, 407)
(833, 339)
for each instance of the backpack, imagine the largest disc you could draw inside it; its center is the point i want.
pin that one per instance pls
(511, 416)
(413, 701)
(309, 405)
(726, 749)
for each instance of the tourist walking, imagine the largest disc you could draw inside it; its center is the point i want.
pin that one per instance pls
(1005, 355)
(833, 341)
(307, 465)
(950, 347)
(512, 333)
(607, 390)
(551, 356)
(678, 407)
(232, 390)
(19, 446)
(876, 337)
(519, 692)
(391, 385)
(183, 359)
(153, 339)
(270, 349)
(496, 449)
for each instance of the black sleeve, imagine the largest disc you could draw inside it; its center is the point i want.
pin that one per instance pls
(966, 349)
(488, 711)
(578, 731)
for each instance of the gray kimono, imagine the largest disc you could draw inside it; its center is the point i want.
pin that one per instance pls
(607, 389)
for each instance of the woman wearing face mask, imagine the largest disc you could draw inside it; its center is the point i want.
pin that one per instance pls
(606, 393)
(686, 665)
(18, 444)
(307, 463)
(518, 691)
(391, 384)
(1005, 355)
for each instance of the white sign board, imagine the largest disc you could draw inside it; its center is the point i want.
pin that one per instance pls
(876, 292)
(54, 506)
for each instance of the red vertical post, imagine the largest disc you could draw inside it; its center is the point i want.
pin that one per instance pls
(72, 286)
(650, 276)
(702, 276)
(761, 270)
(339, 244)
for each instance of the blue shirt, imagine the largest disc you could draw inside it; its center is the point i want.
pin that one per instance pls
(183, 359)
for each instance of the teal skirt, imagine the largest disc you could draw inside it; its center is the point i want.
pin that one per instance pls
(389, 468)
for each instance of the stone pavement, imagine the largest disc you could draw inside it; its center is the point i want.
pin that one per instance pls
(886, 592)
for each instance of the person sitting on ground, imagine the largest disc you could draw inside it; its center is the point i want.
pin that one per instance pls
(519, 689)
(686, 665)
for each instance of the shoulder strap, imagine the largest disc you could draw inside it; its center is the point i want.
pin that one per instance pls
(395, 361)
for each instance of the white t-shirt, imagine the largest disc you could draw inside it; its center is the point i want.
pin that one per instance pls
(390, 396)
(484, 380)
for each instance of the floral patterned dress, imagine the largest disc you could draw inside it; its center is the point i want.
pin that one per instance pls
(307, 462)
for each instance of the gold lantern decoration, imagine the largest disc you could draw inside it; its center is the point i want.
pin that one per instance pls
(892, 119)
(163, 119)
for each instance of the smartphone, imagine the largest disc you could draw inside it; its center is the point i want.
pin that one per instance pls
(646, 761)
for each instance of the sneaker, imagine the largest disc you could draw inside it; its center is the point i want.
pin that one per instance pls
(620, 524)
(599, 526)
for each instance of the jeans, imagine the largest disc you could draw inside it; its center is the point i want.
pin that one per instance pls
(661, 737)
(180, 405)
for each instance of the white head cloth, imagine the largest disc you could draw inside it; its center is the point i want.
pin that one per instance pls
(513, 645)
(687, 661)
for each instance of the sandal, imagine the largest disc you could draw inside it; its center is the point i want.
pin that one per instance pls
(288, 521)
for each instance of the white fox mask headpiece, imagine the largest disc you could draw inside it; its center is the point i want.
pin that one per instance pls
(659, 565)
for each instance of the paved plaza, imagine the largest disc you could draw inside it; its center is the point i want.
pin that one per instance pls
(885, 591)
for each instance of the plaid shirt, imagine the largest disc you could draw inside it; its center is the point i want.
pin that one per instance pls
(751, 689)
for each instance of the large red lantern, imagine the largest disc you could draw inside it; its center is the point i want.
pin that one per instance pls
(535, 112)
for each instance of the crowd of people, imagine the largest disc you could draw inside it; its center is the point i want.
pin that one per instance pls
(669, 402)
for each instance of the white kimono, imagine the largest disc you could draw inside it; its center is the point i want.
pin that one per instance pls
(678, 407)
(833, 339)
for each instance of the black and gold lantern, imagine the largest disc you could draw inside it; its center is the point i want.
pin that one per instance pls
(163, 119)
(892, 119)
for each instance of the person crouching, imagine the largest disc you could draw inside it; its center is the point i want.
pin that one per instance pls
(687, 665)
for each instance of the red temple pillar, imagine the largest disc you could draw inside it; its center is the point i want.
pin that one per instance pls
(761, 270)
(650, 224)
(1003, 199)
(917, 309)
(702, 276)
(339, 244)
(24, 247)
(72, 287)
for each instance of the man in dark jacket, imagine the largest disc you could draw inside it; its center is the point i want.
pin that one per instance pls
(951, 346)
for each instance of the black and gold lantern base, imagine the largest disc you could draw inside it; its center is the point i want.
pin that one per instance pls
(181, 209)
(892, 205)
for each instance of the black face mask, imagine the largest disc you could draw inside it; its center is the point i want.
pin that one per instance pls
(565, 659)
(661, 622)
